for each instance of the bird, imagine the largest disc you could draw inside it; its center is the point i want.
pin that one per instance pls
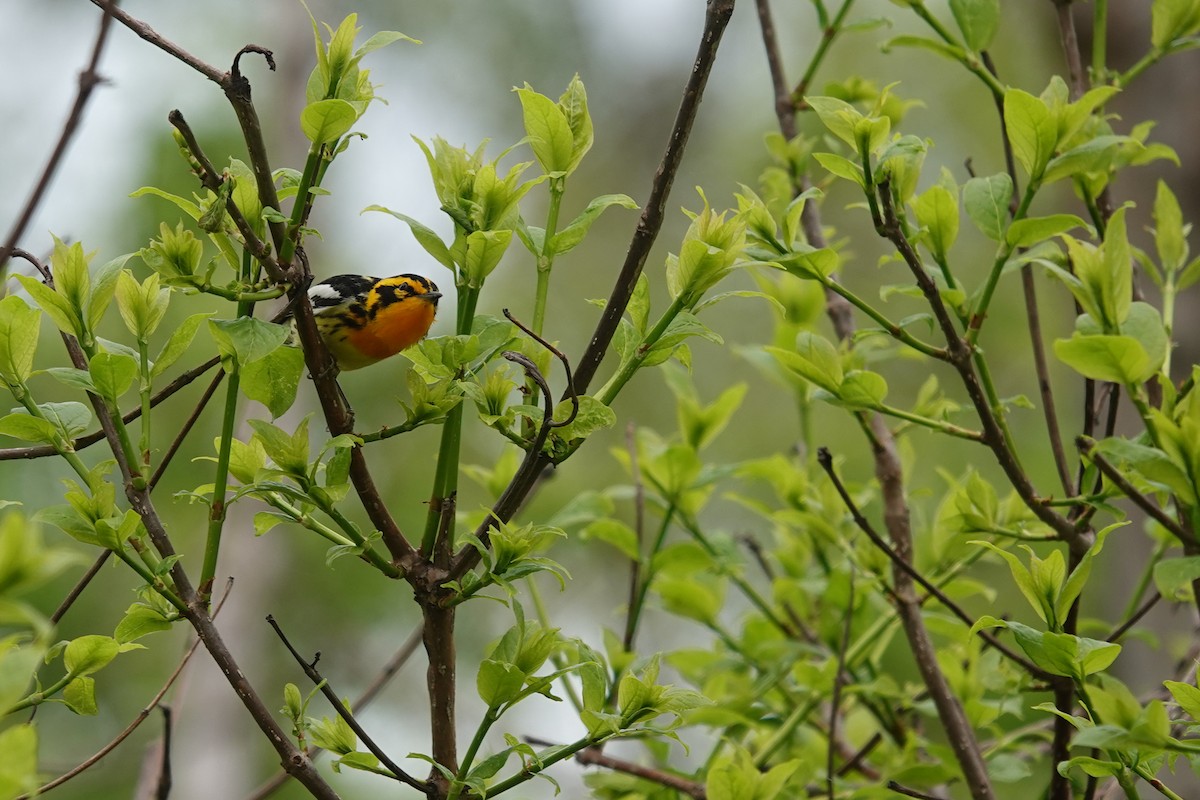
(363, 319)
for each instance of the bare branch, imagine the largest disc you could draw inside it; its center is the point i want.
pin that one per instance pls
(88, 80)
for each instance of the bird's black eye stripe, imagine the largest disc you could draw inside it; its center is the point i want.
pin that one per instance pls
(425, 284)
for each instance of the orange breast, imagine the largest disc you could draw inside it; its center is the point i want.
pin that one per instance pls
(396, 326)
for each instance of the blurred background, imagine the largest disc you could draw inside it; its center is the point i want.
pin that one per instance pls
(634, 58)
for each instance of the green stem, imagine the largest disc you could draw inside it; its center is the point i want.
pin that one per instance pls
(545, 259)
(559, 754)
(893, 330)
(829, 32)
(1135, 599)
(610, 390)
(1168, 312)
(145, 387)
(217, 511)
(37, 698)
(485, 724)
(989, 289)
(306, 521)
(1144, 63)
(351, 530)
(300, 208)
(785, 731)
(152, 580)
(928, 422)
(445, 478)
(967, 58)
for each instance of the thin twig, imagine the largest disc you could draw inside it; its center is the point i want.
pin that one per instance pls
(1134, 618)
(907, 792)
(385, 674)
(42, 451)
(715, 20)
(79, 586)
(593, 756)
(1088, 448)
(212, 181)
(186, 429)
(310, 670)
(825, 459)
(88, 80)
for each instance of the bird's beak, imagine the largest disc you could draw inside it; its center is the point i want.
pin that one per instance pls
(431, 296)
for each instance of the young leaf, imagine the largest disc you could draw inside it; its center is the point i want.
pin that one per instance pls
(547, 130)
(273, 379)
(18, 339)
(986, 201)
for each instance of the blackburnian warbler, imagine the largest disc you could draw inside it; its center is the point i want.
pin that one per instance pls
(363, 319)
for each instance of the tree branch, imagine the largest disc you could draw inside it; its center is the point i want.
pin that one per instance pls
(715, 20)
(88, 80)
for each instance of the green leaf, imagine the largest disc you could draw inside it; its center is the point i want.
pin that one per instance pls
(382, 39)
(112, 374)
(19, 329)
(424, 235)
(547, 131)
(700, 600)
(498, 682)
(1171, 20)
(188, 207)
(80, 696)
(246, 339)
(811, 264)
(1031, 230)
(288, 451)
(1168, 230)
(19, 769)
(986, 201)
(615, 533)
(140, 620)
(178, 343)
(273, 379)
(838, 116)
(326, 120)
(1095, 155)
(593, 416)
(55, 305)
(815, 359)
(937, 212)
(88, 654)
(570, 236)
(484, 251)
(978, 21)
(28, 428)
(1032, 130)
(863, 389)
(1023, 578)
(70, 418)
(842, 167)
(1187, 696)
(1120, 359)
(104, 283)
(1174, 577)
